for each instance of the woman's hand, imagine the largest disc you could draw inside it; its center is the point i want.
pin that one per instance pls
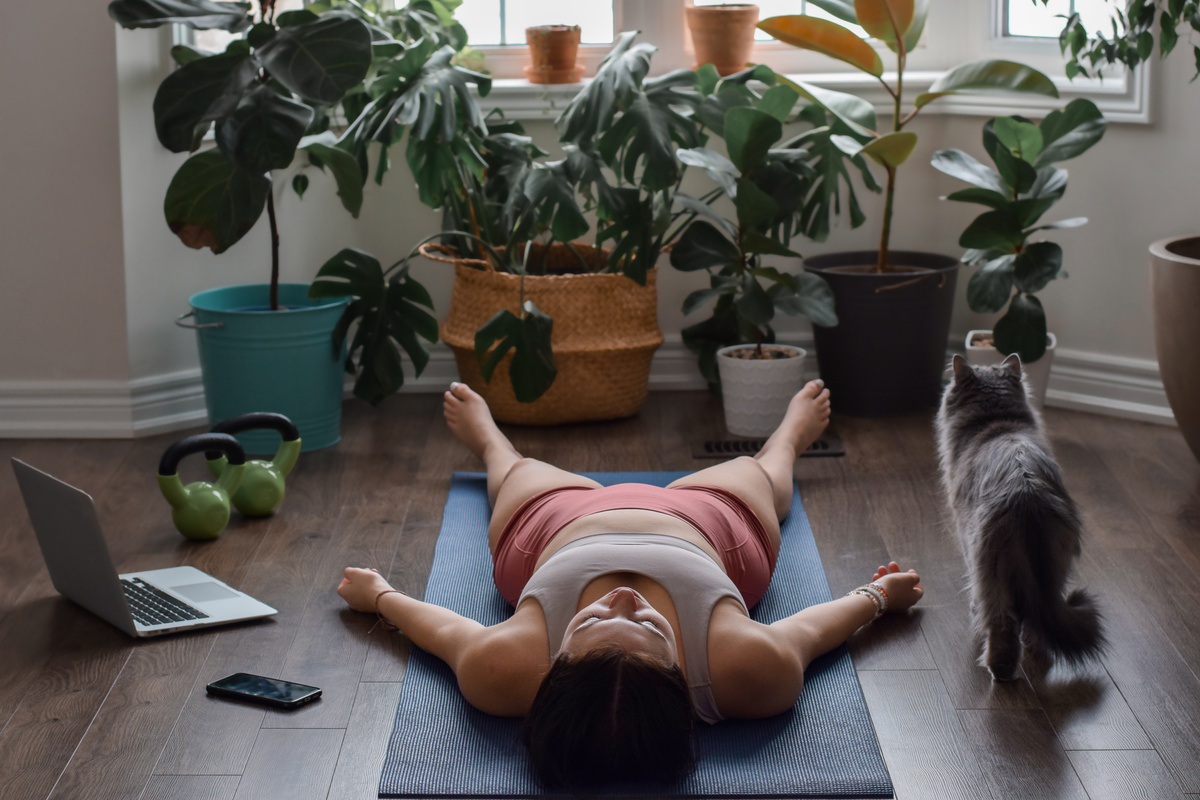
(903, 588)
(360, 587)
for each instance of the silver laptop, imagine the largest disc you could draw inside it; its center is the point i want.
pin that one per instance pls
(140, 603)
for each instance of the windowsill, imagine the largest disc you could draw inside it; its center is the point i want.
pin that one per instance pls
(1121, 99)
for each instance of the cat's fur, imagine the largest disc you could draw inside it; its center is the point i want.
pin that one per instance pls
(1018, 528)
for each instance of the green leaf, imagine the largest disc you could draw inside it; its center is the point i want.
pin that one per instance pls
(756, 243)
(191, 97)
(885, 20)
(754, 207)
(754, 306)
(749, 134)
(1023, 329)
(813, 298)
(320, 60)
(1145, 45)
(989, 74)
(212, 203)
(1037, 265)
(891, 149)
(262, 132)
(842, 9)
(702, 246)
(990, 287)
(707, 79)
(719, 168)
(183, 54)
(532, 370)
(778, 101)
(1028, 211)
(298, 17)
(1018, 175)
(300, 184)
(694, 206)
(987, 197)
(965, 167)
(357, 274)
(1071, 131)
(200, 14)
(993, 229)
(855, 112)
(824, 200)
(1023, 139)
(260, 34)
(552, 194)
(346, 173)
(1073, 222)
(1050, 182)
(618, 78)
(644, 138)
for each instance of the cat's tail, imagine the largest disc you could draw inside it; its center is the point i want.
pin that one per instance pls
(1070, 628)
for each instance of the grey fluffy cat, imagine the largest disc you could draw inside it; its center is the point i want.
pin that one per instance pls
(1018, 527)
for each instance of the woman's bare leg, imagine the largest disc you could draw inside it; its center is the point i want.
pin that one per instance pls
(764, 482)
(511, 478)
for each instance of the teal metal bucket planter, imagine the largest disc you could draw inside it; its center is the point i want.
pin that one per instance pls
(255, 359)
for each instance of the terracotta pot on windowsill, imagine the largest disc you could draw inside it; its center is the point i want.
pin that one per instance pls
(723, 35)
(552, 51)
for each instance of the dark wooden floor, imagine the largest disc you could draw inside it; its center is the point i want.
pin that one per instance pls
(86, 712)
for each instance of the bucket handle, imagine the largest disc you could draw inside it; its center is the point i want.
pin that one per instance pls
(180, 322)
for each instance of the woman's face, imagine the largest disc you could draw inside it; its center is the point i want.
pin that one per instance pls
(622, 618)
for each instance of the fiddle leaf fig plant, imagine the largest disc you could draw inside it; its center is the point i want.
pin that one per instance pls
(899, 25)
(267, 96)
(1024, 185)
(767, 185)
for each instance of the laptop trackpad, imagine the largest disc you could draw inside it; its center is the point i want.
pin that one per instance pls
(204, 592)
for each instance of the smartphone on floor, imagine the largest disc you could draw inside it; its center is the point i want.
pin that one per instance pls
(265, 691)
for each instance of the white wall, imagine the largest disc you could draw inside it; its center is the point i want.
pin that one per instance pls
(93, 279)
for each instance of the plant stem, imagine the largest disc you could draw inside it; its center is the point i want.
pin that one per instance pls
(881, 264)
(274, 251)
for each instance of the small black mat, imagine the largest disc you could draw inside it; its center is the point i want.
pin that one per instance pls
(441, 747)
(828, 444)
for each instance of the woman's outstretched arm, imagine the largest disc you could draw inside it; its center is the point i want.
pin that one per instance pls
(498, 668)
(818, 629)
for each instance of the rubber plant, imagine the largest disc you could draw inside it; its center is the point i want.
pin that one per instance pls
(768, 182)
(268, 95)
(1024, 185)
(899, 25)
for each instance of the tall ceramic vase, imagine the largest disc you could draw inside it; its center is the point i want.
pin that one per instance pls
(1175, 278)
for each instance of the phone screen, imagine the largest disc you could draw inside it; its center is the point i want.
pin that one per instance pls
(270, 691)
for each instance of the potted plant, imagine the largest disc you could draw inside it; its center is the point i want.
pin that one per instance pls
(766, 184)
(504, 209)
(552, 51)
(723, 34)
(886, 356)
(1024, 185)
(1147, 27)
(267, 96)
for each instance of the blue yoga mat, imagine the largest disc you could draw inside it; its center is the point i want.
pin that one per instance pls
(442, 748)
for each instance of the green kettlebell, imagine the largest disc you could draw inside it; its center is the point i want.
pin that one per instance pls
(201, 510)
(262, 487)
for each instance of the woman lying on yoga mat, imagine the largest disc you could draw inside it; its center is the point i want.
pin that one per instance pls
(631, 603)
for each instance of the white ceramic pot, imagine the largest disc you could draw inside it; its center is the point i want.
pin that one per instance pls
(1037, 373)
(756, 392)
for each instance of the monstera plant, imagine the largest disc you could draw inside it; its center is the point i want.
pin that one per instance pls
(268, 95)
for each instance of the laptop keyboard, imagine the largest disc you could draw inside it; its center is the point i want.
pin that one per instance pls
(152, 606)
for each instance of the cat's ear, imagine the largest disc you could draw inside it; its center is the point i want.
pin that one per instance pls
(1012, 365)
(961, 368)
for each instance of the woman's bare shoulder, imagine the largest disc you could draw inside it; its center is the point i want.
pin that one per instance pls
(754, 673)
(501, 670)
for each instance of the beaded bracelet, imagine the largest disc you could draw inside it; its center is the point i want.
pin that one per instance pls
(384, 621)
(877, 594)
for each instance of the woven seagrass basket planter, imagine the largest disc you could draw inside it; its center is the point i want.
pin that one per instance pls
(604, 336)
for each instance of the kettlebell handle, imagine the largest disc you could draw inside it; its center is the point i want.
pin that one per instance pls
(258, 420)
(221, 442)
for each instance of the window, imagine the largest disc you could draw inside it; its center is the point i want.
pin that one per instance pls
(215, 41)
(1031, 18)
(503, 22)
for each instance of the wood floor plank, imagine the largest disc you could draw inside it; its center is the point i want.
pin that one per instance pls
(119, 751)
(1020, 755)
(191, 787)
(1087, 710)
(361, 760)
(291, 764)
(1124, 775)
(921, 736)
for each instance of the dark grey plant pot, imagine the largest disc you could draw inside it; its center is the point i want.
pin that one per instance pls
(887, 354)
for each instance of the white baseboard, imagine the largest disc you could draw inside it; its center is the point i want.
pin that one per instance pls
(1104, 384)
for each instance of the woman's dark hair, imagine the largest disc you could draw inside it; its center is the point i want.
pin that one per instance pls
(609, 716)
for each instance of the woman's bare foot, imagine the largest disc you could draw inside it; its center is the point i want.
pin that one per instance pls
(807, 416)
(469, 418)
